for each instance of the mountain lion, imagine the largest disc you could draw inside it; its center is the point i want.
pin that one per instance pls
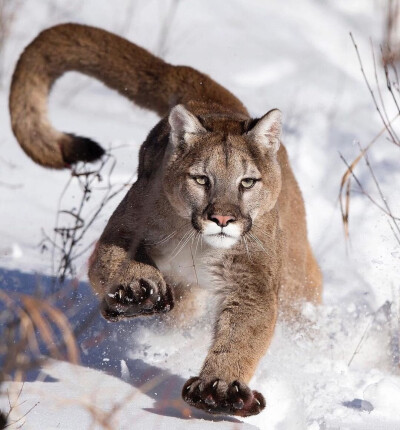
(207, 173)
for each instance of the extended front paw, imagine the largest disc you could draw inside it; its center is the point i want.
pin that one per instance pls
(220, 397)
(139, 297)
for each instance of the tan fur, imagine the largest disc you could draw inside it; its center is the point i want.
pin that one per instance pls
(191, 170)
(121, 65)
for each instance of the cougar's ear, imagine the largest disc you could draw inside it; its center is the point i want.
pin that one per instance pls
(183, 123)
(267, 130)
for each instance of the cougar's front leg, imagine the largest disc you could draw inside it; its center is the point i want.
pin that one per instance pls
(120, 270)
(243, 331)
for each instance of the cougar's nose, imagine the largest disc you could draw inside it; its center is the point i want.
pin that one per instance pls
(222, 220)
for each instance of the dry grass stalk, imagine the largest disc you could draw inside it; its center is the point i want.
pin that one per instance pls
(385, 309)
(345, 186)
(107, 419)
(28, 323)
(68, 238)
(391, 33)
(18, 422)
(32, 326)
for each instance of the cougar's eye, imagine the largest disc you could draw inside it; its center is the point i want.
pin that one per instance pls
(248, 182)
(201, 180)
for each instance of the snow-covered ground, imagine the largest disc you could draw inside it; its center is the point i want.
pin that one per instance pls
(342, 373)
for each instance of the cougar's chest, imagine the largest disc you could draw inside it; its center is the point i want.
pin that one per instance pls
(187, 266)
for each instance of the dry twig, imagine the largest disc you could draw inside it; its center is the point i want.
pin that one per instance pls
(67, 243)
(381, 202)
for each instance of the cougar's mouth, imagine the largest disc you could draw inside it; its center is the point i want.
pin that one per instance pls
(220, 235)
(221, 238)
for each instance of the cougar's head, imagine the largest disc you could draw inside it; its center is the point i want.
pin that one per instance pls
(222, 174)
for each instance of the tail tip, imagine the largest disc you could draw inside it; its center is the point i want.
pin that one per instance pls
(79, 148)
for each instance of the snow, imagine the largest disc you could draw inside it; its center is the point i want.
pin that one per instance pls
(291, 55)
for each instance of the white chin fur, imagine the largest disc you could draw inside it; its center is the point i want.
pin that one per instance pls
(213, 236)
(219, 241)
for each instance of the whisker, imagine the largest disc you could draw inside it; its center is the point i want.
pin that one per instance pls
(168, 237)
(247, 248)
(258, 241)
(251, 239)
(182, 239)
(194, 266)
(188, 237)
(260, 231)
(163, 240)
(191, 236)
(198, 234)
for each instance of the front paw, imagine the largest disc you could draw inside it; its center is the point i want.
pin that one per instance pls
(139, 297)
(220, 397)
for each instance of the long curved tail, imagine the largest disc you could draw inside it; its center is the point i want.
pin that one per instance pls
(132, 71)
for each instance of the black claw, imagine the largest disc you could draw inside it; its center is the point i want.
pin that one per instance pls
(140, 297)
(146, 288)
(210, 401)
(239, 404)
(232, 399)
